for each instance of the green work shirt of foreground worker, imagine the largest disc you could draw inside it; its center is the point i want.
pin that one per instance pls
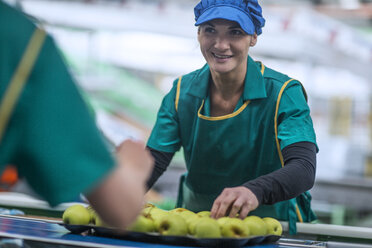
(229, 150)
(50, 135)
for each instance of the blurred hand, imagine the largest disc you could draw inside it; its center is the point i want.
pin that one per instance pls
(119, 198)
(238, 200)
(134, 157)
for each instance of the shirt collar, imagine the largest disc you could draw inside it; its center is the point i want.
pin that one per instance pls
(254, 87)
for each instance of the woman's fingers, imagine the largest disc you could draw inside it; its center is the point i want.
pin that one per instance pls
(234, 201)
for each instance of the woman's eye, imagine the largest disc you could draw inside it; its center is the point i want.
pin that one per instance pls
(237, 32)
(209, 30)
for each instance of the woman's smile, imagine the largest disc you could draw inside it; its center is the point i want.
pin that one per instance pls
(221, 57)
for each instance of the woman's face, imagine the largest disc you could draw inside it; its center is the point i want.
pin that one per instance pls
(225, 45)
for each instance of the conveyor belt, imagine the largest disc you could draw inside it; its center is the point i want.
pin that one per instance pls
(49, 233)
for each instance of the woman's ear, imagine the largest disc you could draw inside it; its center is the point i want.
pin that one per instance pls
(253, 40)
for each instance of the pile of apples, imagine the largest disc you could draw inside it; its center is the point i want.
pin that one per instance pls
(183, 222)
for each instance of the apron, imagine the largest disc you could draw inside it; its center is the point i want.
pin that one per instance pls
(237, 139)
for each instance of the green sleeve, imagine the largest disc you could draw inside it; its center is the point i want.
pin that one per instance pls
(165, 135)
(294, 120)
(50, 137)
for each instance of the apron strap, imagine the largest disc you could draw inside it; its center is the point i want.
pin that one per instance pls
(19, 78)
(178, 93)
(180, 191)
(276, 120)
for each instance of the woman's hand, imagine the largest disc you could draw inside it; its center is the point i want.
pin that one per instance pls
(232, 201)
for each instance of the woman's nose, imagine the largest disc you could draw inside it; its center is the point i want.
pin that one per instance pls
(221, 43)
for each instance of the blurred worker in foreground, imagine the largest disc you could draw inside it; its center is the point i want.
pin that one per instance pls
(47, 132)
(245, 129)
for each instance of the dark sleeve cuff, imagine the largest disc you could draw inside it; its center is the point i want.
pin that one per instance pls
(256, 190)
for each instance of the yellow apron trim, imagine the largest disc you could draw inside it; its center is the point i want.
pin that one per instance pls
(299, 214)
(178, 93)
(276, 121)
(277, 140)
(218, 118)
(19, 78)
(262, 68)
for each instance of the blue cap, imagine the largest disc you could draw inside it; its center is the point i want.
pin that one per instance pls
(248, 13)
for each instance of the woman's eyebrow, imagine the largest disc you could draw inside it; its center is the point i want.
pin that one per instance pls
(235, 26)
(231, 27)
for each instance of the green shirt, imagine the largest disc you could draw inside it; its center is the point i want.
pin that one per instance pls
(50, 136)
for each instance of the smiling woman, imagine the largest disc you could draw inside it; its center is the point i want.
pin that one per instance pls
(246, 130)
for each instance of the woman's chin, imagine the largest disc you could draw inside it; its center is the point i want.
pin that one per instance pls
(221, 69)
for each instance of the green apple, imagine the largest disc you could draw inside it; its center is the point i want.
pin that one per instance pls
(156, 214)
(207, 228)
(187, 214)
(273, 226)
(204, 213)
(183, 212)
(146, 211)
(178, 210)
(234, 228)
(256, 225)
(157, 211)
(95, 219)
(142, 224)
(76, 215)
(172, 224)
(191, 223)
(93, 215)
(221, 221)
